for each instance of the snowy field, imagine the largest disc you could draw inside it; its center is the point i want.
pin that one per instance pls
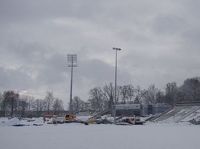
(79, 136)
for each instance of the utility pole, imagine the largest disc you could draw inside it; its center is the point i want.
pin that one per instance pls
(72, 62)
(116, 50)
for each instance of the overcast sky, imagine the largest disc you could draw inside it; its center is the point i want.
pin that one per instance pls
(160, 42)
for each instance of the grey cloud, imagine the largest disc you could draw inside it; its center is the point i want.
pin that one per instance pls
(29, 11)
(169, 24)
(160, 42)
(191, 42)
(53, 70)
(14, 79)
(96, 70)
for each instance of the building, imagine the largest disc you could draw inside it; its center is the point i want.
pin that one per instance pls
(157, 108)
(127, 109)
(140, 109)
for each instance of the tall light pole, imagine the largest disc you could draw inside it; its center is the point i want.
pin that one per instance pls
(72, 62)
(116, 50)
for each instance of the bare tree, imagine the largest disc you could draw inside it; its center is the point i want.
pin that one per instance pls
(39, 106)
(127, 93)
(170, 93)
(149, 95)
(190, 90)
(58, 105)
(78, 104)
(160, 97)
(36, 104)
(10, 99)
(30, 101)
(108, 92)
(124, 93)
(138, 95)
(49, 101)
(22, 106)
(1, 101)
(131, 93)
(96, 99)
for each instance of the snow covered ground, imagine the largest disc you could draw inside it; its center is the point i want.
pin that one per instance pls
(79, 136)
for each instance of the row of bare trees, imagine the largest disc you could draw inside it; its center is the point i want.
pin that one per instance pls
(12, 104)
(102, 98)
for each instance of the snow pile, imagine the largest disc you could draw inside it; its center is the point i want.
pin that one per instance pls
(16, 121)
(83, 118)
(38, 120)
(9, 122)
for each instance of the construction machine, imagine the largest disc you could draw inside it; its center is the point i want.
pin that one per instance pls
(70, 118)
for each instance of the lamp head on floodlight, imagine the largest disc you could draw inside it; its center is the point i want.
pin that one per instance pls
(72, 60)
(118, 49)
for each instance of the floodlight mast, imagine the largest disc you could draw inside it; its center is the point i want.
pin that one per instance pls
(113, 103)
(72, 62)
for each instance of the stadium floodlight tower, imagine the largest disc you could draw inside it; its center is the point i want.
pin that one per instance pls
(72, 62)
(116, 50)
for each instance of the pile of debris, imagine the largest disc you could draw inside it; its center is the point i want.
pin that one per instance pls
(195, 122)
(130, 121)
(96, 119)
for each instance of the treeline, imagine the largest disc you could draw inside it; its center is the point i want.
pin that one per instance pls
(13, 104)
(102, 98)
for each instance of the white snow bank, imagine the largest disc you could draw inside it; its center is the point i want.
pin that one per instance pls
(17, 121)
(9, 122)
